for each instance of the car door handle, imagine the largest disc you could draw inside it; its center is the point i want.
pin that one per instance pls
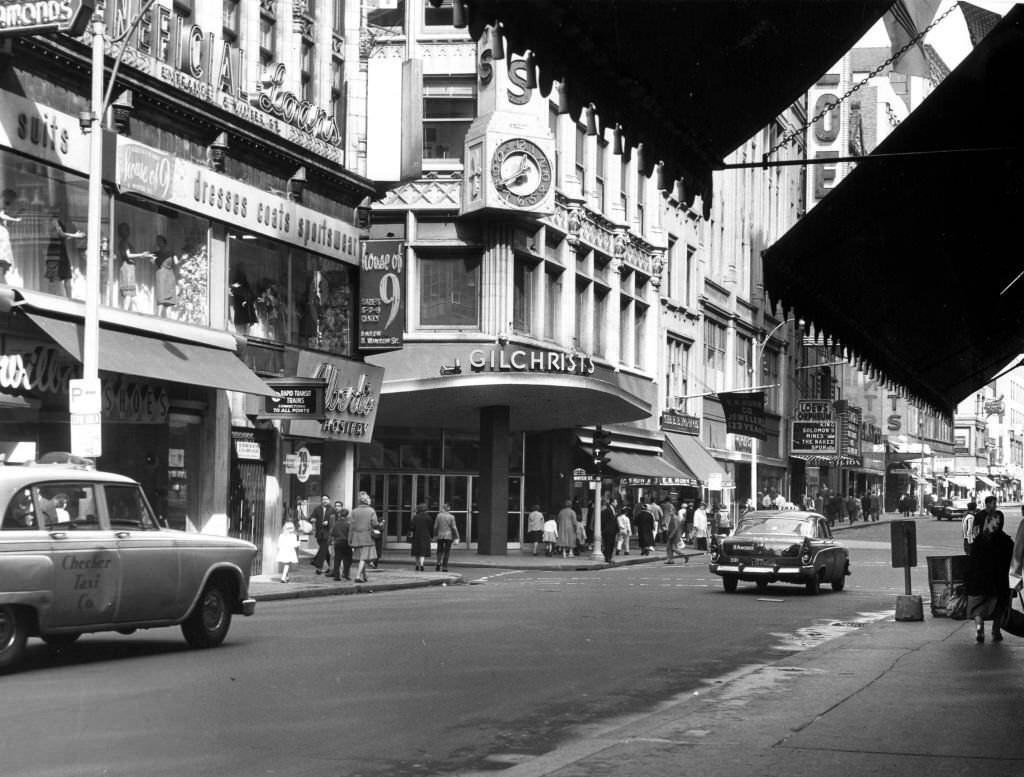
(122, 534)
(59, 535)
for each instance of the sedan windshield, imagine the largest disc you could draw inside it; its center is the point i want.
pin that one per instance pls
(774, 524)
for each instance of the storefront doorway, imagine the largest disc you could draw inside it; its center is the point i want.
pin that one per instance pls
(395, 495)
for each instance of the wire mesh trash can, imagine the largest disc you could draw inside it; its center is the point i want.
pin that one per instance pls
(944, 573)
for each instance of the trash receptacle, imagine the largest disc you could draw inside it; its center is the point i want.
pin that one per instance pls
(944, 572)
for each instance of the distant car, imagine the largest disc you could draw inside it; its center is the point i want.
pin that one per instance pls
(947, 512)
(81, 551)
(787, 546)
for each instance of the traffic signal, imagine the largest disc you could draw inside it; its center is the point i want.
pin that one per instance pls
(602, 443)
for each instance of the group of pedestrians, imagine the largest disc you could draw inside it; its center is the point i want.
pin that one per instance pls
(994, 568)
(343, 538)
(440, 529)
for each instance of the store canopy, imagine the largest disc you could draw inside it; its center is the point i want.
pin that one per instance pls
(159, 359)
(690, 79)
(695, 457)
(912, 263)
(963, 481)
(648, 469)
(986, 482)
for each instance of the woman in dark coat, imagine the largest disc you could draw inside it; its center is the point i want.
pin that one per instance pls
(422, 529)
(988, 567)
(644, 521)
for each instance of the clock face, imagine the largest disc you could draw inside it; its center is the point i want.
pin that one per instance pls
(521, 172)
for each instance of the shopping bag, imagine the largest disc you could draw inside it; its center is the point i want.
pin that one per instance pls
(956, 603)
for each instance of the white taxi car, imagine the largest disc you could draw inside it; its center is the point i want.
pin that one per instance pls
(81, 551)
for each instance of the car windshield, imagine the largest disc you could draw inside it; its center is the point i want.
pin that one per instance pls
(775, 524)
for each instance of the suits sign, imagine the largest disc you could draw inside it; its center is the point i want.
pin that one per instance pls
(744, 413)
(382, 295)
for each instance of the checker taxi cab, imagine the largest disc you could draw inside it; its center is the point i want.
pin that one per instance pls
(82, 551)
(788, 546)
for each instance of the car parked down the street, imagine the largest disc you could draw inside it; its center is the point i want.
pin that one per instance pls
(82, 551)
(787, 546)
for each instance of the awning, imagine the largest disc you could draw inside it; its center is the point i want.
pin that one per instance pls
(690, 80)
(644, 469)
(963, 481)
(876, 237)
(987, 482)
(696, 458)
(827, 459)
(148, 357)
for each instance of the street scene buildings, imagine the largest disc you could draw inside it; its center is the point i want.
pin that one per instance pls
(350, 246)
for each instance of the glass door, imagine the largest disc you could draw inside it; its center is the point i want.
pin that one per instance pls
(456, 495)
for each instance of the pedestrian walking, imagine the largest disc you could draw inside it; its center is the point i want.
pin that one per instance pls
(673, 536)
(566, 529)
(645, 523)
(550, 535)
(422, 532)
(659, 519)
(876, 506)
(287, 549)
(609, 529)
(322, 518)
(535, 527)
(970, 526)
(625, 530)
(342, 564)
(445, 532)
(700, 526)
(362, 522)
(853, 508)
(988, 570)
(581, 536)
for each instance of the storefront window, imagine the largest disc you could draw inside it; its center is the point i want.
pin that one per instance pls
(158, 263)
(42, 207)
(277, 292)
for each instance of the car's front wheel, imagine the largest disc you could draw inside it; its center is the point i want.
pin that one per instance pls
(729, 583)
(13, 635)
(814, 585)
(207, 625)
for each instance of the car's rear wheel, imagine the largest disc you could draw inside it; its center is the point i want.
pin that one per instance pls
(13, 635)
(60, 640)
(207, 625)
(729, 583)
(814, 585)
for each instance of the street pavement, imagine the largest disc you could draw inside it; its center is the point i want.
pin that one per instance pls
(899, 698)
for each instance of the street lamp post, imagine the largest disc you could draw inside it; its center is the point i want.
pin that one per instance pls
(758, 352)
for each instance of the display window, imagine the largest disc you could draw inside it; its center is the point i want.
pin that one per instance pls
(157, 262)
(43, 214)
(281, 293)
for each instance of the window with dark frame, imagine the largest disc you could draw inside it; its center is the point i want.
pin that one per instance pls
(449, 107)
(268, 34)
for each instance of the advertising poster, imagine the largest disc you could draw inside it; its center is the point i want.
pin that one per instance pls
(382, 295)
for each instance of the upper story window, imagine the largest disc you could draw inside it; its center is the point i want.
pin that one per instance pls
(449, 107)
(441, 16)
(624, 186)
(338, 18)
(230, 21)
(599, 173)
(387, 17)
(677, 371)
(581, 158)
(449, 291)
(714, 354)
(745, 375)
(268, 36)
(641, 203)
(307, 65)
(524, 281)
(338, 92)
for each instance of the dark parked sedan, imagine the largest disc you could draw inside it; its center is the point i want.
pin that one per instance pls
(787, 546)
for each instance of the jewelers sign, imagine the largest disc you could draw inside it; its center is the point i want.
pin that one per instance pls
(42, 17)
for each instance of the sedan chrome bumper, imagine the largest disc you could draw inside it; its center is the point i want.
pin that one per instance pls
(740, 569)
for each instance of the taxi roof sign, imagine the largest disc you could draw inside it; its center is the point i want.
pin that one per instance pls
(32, 17)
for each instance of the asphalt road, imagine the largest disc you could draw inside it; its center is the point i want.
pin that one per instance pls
(429, 681)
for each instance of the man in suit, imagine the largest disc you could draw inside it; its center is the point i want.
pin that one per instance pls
(339, 542)
(609, 528)
(322, 519)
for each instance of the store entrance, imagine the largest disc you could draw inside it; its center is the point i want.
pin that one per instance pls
(395, 495)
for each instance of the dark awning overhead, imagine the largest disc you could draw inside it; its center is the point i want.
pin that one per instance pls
(905, 263)
(691, 79)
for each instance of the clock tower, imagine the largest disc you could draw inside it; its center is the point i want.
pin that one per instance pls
(510, 152)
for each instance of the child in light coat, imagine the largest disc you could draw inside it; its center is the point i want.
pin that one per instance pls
(550, 535)
(287, 547)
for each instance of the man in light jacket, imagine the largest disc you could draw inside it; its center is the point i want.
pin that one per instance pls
(445, 532)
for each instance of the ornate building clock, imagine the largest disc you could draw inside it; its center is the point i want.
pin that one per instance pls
(521, 172)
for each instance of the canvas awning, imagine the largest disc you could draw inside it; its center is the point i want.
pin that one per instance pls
(645, 469)
(898, 260)
(963, 481)
(986, 482)
(695, 457)
(691, 80)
